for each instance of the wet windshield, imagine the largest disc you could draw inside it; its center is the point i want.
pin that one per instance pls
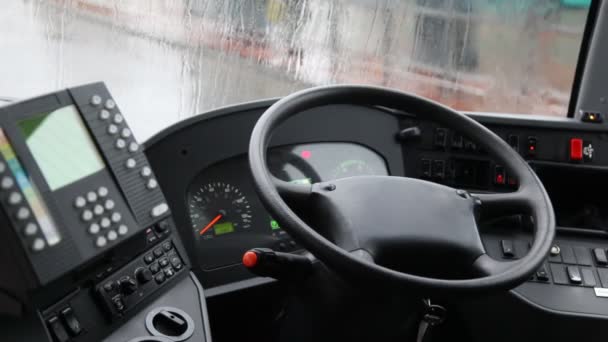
(165, 60)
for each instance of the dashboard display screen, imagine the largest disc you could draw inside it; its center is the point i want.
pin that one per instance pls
(228, 218)
(61, 146)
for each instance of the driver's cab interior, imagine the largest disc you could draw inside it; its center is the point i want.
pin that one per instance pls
(302, 170)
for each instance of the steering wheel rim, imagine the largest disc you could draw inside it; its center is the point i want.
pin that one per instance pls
(531, 197)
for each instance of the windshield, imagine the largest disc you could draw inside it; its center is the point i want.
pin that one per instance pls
(165, 60)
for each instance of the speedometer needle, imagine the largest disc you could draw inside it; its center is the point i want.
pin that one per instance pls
(210, 224)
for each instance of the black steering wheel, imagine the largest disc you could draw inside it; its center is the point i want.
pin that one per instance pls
(364, 223)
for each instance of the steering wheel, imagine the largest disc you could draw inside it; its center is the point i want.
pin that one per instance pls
(363, 223)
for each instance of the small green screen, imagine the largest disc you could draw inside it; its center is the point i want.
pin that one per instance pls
(223, 228)
(61, 146)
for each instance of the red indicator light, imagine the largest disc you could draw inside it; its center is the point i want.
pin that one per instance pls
(500, 179)
(306, 154)
(576, 149)
(250, 259)
(532, 148)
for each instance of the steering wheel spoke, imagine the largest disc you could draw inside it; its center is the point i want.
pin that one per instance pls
(294, 194)
(485, 265)
(492, 205)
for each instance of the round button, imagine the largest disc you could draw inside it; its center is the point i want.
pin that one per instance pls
(23, 213)
(98, 209)
(7, 182)
(123, 229)
(118, 118)
(80, 202)
(555, 250)
(91, 196)
(120, 144)
(112, 235)
(133, 147)
(102, 191)
(87, 215)
(105, 222)
(2, 167)
(146, 171)
(116, 217)
(250, 259)
(152, 184)
(101, 241)
(112, 129)
(130, 163)
(125, 133)
(14, 198)
(95, 100)
(30, 229)
(38, 245)
(109, 204)
(94, 228)
(104, 114)
(110, 104)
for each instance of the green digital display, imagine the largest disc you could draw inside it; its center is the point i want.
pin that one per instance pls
(223, 228)
(62, 146)
(274, 225)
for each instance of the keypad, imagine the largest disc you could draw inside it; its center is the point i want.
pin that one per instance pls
(163, 262)
(97, 209)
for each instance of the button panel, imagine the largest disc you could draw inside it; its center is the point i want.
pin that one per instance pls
(567, 264)
(23, 203)
(161, 263)
(124, 155)
(96, 208)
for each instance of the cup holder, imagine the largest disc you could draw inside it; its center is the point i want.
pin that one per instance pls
(169, 323)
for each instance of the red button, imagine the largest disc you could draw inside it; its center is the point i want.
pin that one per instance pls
(250, 259)
(576, 149)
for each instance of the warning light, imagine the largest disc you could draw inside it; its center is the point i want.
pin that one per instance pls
(306, 154)
(500, 179)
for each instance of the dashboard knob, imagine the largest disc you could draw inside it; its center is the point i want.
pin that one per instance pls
(128, 285)
(143, 275)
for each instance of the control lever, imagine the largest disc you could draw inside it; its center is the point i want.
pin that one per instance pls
(266, 262)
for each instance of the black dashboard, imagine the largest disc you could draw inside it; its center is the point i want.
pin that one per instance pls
(338, 141)
(136, 244)
(566, 155)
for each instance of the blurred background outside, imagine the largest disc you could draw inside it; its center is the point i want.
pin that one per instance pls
(165, 60)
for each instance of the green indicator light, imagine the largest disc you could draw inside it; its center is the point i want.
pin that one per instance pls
(274, 225)
(223, 228)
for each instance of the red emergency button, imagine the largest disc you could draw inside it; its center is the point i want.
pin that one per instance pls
(576, 149)
(250, 259)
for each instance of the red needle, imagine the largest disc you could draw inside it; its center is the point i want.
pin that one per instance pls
(208, 226)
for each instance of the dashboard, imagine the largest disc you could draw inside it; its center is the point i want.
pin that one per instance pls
(343, 140)
(226, 216)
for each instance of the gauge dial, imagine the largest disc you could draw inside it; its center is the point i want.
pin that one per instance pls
(351, 168)
(217, 209)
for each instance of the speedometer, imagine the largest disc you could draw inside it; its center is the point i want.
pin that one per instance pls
(217, 209)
